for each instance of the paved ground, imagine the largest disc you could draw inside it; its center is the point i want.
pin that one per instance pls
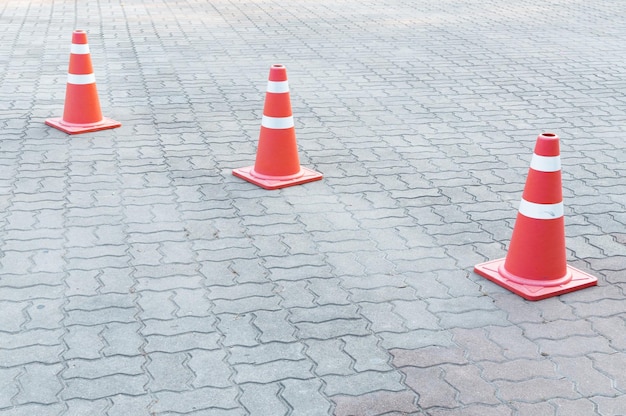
(139, 277)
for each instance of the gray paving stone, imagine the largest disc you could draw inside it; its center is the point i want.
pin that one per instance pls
(382, 317)
(168, 372)
(79, 388)
(32, 408)
(295, 294)
(535, 390)
(38, 384)
(45, 354)
(415, 339)
(329, 357)
(609, 405)
(376, 403)
(332, 328)
(202, 399)
(366, 353)
(265, 353)
(428, 383)
(363, 382)
(427, 356)
(246, 305)
(81, 407)
(574, 407)
(471, 387)
(182, 342)
(191, 302)
(328, 291)
(112, 279)
(304, 397)
(589, 382)
(272, 371)
(574, 346)
(609, 327)
(100, 316)
(274, 326)
(238, 330)
(92, 369)
(209, 368)
(415, 315)
(479, 409)
(44, 313)
(160, 284)
(478, 346)
(514, 342)
(15, 316)
(608, 365)
(262, 399)
(241, 291)
(472, 319)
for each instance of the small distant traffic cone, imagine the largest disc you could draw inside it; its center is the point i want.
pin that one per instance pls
(82, 112)
(277, 164)
(535, 266)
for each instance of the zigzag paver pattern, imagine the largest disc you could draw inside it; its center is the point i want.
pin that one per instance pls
(139, 277)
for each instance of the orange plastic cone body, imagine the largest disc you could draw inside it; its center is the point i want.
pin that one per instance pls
(82, 112)
(277, 164)
(535, 266)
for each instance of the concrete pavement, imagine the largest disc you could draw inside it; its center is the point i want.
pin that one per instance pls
(139, 277)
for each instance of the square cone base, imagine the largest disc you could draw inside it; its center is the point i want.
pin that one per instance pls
(69, 128)
(580, 280)
(308, 176)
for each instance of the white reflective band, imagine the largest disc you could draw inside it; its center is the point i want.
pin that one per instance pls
(81, 79)
(277, 122)
(541, 211)
(79, 49)
(277, 86)
(546, 163)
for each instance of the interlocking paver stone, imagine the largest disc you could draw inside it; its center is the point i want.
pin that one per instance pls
(329, 357)
(273, 371)
(376, 403)
(360, 383)
(262, 399)
(536, 390)
(138, 276)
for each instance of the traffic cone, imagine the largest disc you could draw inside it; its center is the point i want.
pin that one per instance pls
(277, 164)
(535, 266)
(82, 112)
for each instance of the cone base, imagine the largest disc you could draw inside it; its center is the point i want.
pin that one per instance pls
(307, 176)
(71, 128)
(580, 280)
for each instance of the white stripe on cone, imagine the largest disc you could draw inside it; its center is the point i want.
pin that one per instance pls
(79, 49)
(541, 211)
(81, 79)
(277, 122)
(545, 163)
(277, 87)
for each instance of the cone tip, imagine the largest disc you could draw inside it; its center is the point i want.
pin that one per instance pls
(278, 72)
(79, 37)
(547, 145)
(549, 135)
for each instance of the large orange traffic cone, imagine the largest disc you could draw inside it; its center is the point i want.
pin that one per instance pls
(81, 113)
(277, 164)
(535, 266)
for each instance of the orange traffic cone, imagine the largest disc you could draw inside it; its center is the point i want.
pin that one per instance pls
(277, 164)
(535, 266)
(82, 112)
